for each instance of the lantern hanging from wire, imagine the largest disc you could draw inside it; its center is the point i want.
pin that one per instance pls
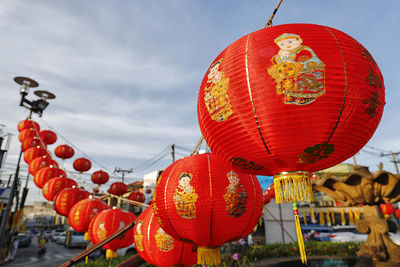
(82, 165)
(137, 196)
(27, 124)
(48, 137)
(200, 199)
(55, 185)
(47, 173)
(100, 177)
(27, 133)
(41, 162)
(31, 142)
(118, 188)
(397, 213)
(67, 198)
(64, 152)
(34, 152)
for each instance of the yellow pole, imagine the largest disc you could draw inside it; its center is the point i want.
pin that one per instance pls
(342, 217)
(312, 214)
(321, 218)
(304, 218)
(351, 217)
(328, 218)
(333, 218)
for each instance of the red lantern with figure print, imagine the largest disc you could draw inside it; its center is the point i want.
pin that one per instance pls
(67, 198)
(200, 199)
(41, 162)
(55, 185)
(108, 222)
(26, 124)
(34, 152)
(64, 152)
(387, 210)
(288, 100)
(157, 247)
(100, 177)
(47, 173)
(82, 165)
(137, 196)
(32, 142)
(48, 137)
(27, 133)
(118, 188)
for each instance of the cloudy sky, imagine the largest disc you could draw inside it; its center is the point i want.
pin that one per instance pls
(126, 73)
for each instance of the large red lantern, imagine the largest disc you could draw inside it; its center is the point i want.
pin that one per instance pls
(108, 222)
(31, 142)
(118, 188)
(34, 152)
(26, 124)
(387, 210)
(158, 248)
(64, 152)
(48, 137)
(83, 212)
(47, 173)
(67, 198)
(27, 133)
(41, 162)
(55, 185)
(100, 177)
(288, 100)
(200, 199)
(137, 196)
(82, 165)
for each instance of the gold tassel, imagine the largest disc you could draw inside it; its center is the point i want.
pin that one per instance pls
(109, 254)
(342, 217)
(357, 216)
(333, 217)
(208, 255)
(351, 217)
(293, 187)
(328, 218)
(321, 218)
(299, 233)
(312, 214)
(86, 236)
(305, 218)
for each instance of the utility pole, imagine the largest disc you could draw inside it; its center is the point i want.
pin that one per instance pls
(123, 172)
(173, 152)
(395, 160)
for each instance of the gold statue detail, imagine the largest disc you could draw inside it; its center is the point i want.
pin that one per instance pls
(185, 197)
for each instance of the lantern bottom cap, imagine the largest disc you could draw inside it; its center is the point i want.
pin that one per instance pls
(208, 255)
(293, 186)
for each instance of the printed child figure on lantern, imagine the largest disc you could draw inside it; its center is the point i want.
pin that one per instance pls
(101, 231)
(139, 236)
(164, 242)
(185, 197)
(297, 70)
(235, 196)
(215, 93)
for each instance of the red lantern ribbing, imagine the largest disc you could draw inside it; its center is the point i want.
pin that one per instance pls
(34, 152)
(200, 199)
(27, 133)
(55, 185)
(118, 188)
(82, 165)
(100, 177)
(288, 100)
(48, 137)
(64, 152)
(41, 162)
(137, 196)
(67, 198)
(31, 142)
(26, 124)
(47, 173)
(157, 247)
(398, 213)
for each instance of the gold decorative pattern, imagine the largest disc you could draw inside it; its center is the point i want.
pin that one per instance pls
(163, 241)
(139, 236)
(235, 196)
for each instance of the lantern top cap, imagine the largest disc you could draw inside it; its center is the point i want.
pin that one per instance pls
(286, 36)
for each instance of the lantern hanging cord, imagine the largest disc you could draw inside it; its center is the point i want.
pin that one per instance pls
(269, 22)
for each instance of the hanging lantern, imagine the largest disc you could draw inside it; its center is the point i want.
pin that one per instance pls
(82, 165)
(31, 142)
(34, 152)
(266, 197)
(55, 185)
(118, 188)
(47, 173)
(83, 212)
(157, 247)
(41, 162)
(48, 137)
(64, 152)
(387, 210)
(26, 124)
(100, 177)
(397, 213)
(67, 198)
(137, 196)
(27, 133)
(197, 197)
(108, 222)
(288, 100)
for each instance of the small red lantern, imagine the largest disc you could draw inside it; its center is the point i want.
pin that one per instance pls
(137, 196)
(266, 198)
(55, 185)
(100, 177)
(47, 173)
(83, 212)
(118, 188)
(387, 210)
(82, 165)
(108, 222)
(48, 137)
(27, 133)
(34, 152)
(26, 124)
(67, 198)
(96, 190)
(64, 152)
(31, 142)
(41, 162)
(148, 191)
(157, 247)
(196, 198)
(398, 213)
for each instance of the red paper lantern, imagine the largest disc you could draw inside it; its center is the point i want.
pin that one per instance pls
(266, 198)
(82, 165)
(157, 247)
(83, 212)
(398, 213)
(55, 185)
(48, 137)
(108, 222)
(34, 152)
(64, 152)
(47, 173)
(387, 210)
(118, 188)
(67, 198)
(100, 177)
(41, 162)
(288, 100)
(137, 196)
(27, 133)
(31, 142)
(26, 124)
(200, 199)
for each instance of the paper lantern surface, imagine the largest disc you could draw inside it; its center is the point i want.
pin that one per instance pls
(55, 185)
(82, 164)
(45, 174)
(67, 198)
(31, 142)
(34, 152)
(48, 137)
(64, 151)
(41, 162)
(26, 124)
(118, 188)
(100, 177)
(27, 133)
(137, 196)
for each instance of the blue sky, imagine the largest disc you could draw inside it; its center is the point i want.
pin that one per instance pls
(126, 73)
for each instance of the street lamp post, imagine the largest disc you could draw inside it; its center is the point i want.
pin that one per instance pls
(37, 106)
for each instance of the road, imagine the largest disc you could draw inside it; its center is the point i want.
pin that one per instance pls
(55, 255)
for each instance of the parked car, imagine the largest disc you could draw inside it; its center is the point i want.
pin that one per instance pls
(60, 238)
(320, 233)
(24, 240)
(56, 233)
(347, 233)
(76, 239)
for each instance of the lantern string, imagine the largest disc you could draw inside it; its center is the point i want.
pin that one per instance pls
(269, 22)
